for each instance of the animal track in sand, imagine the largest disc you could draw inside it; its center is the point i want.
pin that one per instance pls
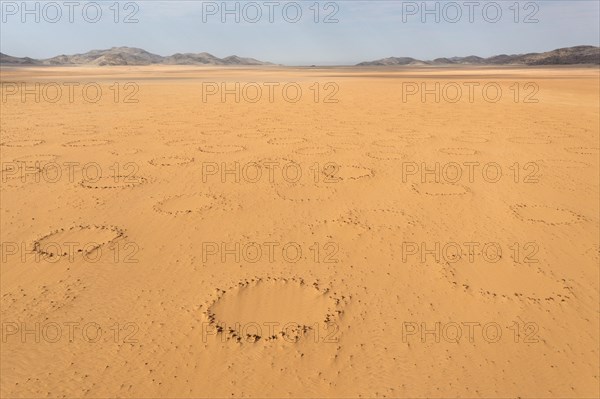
(583, 150)
(170, 160)
(189, 203)
(386, 155)
(546, 214)
(248, 311)
(22, 143)
(185, 142)
(87, 143)
(471, 139)
(111, 182)
(335, 172)
(529, 140)
(458, 151)
(441, 189)
(82, 239)
(287, 140)
(318, 150)
(222, 148)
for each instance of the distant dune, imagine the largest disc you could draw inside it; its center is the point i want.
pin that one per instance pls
(131, 56)
(562, 56)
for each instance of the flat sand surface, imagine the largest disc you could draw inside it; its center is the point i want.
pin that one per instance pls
(361, 241)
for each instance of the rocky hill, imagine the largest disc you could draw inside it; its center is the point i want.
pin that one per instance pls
(562, 56)
(131, 56)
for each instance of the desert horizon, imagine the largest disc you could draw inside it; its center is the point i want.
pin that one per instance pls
(130, 56)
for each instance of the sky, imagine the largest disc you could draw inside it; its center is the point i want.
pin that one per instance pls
(302, 32)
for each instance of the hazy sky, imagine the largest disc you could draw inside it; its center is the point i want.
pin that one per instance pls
(365, 30)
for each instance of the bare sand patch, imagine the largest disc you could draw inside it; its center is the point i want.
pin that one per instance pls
(290, 307)
(546, 214)
(390, 143)
(335, 172)
(353, 272)
(505, 279)
(187, 204)
(82, 239)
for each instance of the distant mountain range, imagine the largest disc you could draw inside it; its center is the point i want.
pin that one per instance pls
(562, 56)
(137, 56)
(130, 56)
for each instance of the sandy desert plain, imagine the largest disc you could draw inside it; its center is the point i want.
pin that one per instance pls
(149, 247)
